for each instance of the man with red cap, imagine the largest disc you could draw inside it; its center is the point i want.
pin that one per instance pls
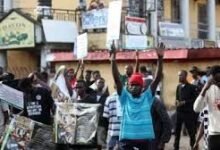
(136, 123)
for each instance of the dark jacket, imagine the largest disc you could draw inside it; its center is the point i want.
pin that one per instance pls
(187, 93)
(161, 122)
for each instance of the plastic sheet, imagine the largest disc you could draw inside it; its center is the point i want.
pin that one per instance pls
(76, 123)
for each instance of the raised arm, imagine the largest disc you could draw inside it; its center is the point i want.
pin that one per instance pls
(115, 71)
(160, 53)
(77, 69)
(81, 76)
(137, 62)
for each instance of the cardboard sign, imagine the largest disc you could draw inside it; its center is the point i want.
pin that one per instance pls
(82, 46)
(114, 22)
(12, 96)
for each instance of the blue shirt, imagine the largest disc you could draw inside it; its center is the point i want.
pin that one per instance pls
(136, 120)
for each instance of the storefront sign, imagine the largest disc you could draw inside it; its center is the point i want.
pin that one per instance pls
(16, 32)
(95, 19)
(137, 42)
(167, 29)
(197, 43)
(174, 42)
(135, 25)
(209, 44)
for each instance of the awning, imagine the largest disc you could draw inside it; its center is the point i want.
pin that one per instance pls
(123, 56)
(59, 31)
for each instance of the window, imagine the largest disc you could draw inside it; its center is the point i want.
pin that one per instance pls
(202, 21)
(175, 11)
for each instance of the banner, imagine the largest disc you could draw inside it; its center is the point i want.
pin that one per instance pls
(95, 19)
(114, 22)
(76, 123)
(12, 96)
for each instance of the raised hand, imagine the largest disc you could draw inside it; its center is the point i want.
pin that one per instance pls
(113, 50)
(160, 50)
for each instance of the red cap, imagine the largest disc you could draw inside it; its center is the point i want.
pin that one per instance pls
(137, 79)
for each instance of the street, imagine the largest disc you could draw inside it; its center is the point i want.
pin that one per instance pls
(184, 143)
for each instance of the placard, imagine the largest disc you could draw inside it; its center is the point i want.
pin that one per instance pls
(12, 96)
(82, 46)
(114, 22)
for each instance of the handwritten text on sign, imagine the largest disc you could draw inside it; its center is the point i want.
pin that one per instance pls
(11, 96)
(95, 19)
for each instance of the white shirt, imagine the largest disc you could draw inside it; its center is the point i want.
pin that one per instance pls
(211, 99)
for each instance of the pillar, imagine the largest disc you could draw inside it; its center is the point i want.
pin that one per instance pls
(184, 13)
(211, 20)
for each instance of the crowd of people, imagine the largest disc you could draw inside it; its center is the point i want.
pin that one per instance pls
(133, 117)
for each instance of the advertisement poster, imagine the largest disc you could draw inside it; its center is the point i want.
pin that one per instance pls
(16, 32)
(76, 123)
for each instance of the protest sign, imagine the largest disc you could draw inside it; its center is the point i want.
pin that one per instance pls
(24, 133)
(82, 46)
(95, 19)
(76, 123)
(12, 96)
(114, 22)
(59, 90)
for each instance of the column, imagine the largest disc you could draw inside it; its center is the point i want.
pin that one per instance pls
(3, 59)
(7, 5)
(211, 8)
(184, 16)
(154, 24)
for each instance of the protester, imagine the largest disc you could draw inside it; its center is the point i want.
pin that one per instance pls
(112, 113)
(96, 75)
(101, 98)
(203, 130)
(38, 103)
(71, 75)
(185, 96)
(96, 4)
(82, 95)
(209, 97)
(4, 116)
(162, 125)
(136, 124)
